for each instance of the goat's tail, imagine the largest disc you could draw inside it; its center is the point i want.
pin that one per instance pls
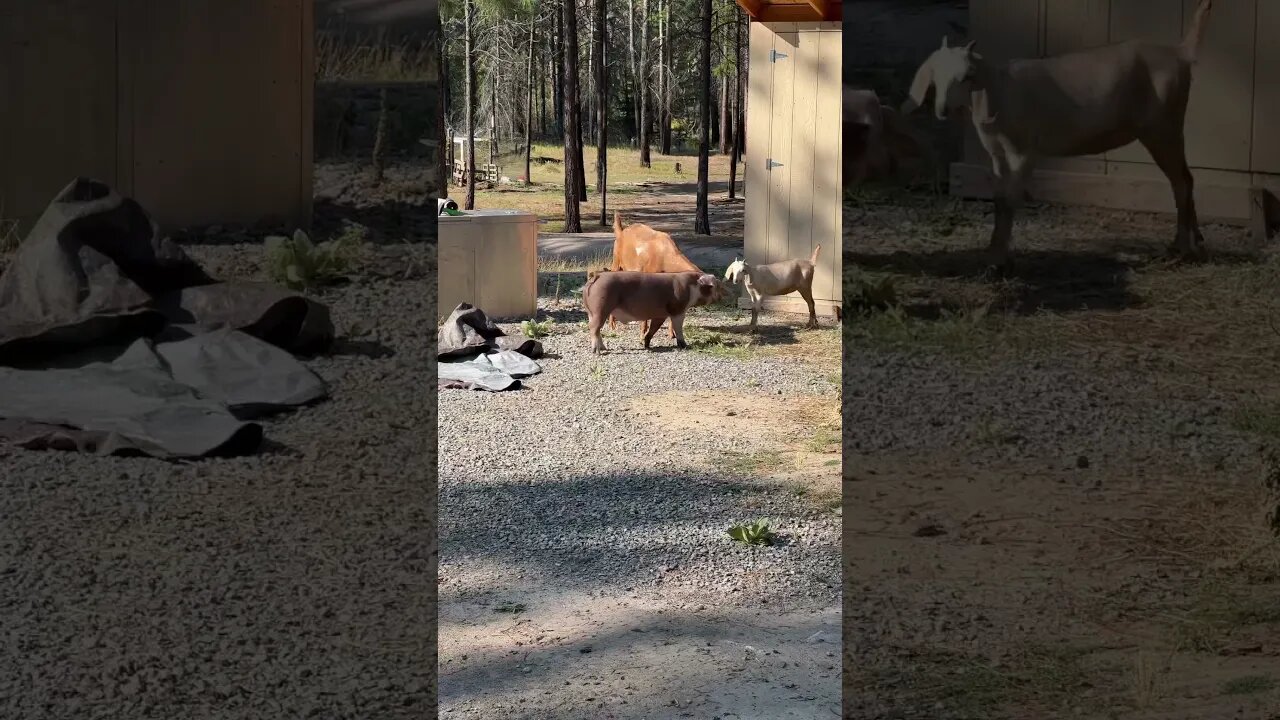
(617, 222)
(1195, 31)
(813, 258)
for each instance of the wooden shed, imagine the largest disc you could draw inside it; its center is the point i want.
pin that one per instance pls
(793, 142)
(199, 109)
(1233, 145)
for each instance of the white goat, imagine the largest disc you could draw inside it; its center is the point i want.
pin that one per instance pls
(1080, 103)
(779, 278)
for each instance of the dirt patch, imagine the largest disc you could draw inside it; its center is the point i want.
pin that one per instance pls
(794, 440)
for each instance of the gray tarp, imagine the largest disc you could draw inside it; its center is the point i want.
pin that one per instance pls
(495, 373)
(474, 353)
(94, 277)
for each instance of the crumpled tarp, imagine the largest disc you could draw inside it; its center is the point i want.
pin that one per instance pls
(113, 340)
(495, 373)
(474, 353)
(468, 331)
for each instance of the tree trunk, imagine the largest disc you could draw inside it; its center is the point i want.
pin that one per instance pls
(468, 21)
(557, 53)
(602, 111)
(645, 159)
(528, 106)
(442, 132)
(724, 116)
(702, 220)
(493, 115)
(737, 126)
(572, 138)
(668, 73)
(631, 64)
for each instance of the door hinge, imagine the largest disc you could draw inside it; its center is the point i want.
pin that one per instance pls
(775, 56)
(771, 164)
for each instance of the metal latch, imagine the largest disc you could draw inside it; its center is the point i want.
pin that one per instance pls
(775, 56)
(771, 164)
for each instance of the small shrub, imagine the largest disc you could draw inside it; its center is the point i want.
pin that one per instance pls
(756, 533)
(535, 329)
(299, 264)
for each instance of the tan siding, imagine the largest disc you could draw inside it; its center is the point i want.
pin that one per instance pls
(58, 82)
(827, 188)
(759, 89)
(243, 111)
(1220, 115)
(1266, 108)
(797, 240)
(781, 107)
(200, 109)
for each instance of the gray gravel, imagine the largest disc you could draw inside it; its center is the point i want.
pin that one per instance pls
(294, 583)
(565, 487)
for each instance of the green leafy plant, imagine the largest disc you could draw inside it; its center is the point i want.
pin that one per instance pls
(871, 295)
(755, 533)
(298, 263)
(535, 329)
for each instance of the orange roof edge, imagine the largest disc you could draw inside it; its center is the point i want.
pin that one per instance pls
(793, 10)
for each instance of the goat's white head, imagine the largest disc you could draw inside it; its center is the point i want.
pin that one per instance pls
(734, 272)
(950, 71)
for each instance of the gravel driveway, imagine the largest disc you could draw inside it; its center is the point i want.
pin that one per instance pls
(585, 568)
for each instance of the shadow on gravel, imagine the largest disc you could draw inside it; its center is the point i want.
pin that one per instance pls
(389, 221)
(607, 530)
(346, 347)
(1053, 280)
(765, 334)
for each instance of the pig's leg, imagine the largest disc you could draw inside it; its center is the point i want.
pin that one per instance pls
(677, 329)
(654, 327)
(594, 323)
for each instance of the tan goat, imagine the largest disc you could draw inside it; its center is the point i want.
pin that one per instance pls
(1079, 103)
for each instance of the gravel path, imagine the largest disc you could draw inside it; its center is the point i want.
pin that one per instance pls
(293, 583)
(559, 499)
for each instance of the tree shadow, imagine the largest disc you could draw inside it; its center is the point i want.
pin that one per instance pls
(765, 334)
(390, 221)
(1040, 279)
(349, 347)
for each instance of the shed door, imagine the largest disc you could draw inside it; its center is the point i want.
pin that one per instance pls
(793, 142)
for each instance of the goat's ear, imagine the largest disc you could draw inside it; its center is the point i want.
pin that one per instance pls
(968, 47)
(707, 279)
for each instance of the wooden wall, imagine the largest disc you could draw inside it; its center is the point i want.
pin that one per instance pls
(201, 109)
(793, 120)
(1233, 102)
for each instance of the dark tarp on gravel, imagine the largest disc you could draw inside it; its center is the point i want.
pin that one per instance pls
(474, 353)
(113, 340)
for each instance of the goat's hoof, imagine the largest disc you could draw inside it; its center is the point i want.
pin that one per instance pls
(682, 345)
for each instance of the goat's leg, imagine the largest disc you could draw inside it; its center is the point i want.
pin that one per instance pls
(1011, 182)
(806, 292)
(1169, 152)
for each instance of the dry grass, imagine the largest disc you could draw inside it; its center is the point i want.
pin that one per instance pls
(627, 179)
(340, 59)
